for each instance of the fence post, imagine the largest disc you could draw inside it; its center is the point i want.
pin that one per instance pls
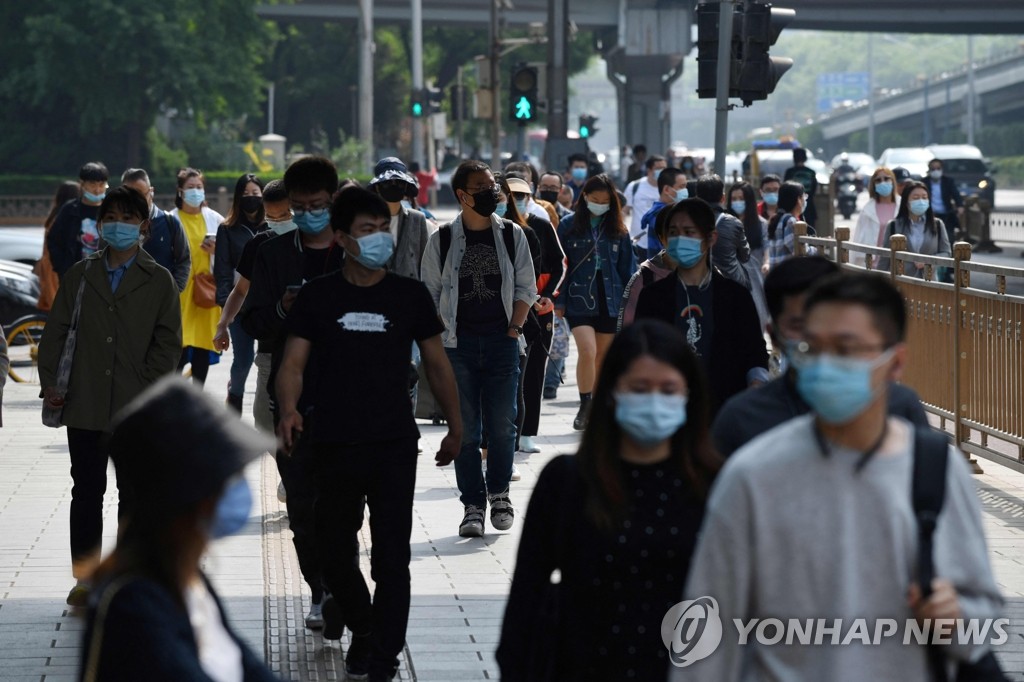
(842, 236)
(897, 243)
(961, 348)
(799, 232)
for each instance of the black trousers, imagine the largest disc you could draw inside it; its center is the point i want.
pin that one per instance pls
(300, 483)
(384, 475)
(200, 363)
(533, 375)
(89, 456)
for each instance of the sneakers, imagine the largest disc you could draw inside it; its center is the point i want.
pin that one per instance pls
(472, 525)
(527, 445)
(580, 423)
(515, 473)
(357, 658)
(502, 513)
(315, 617)
(79, 595)
(334, 622)
(550, 392)
(282, 494)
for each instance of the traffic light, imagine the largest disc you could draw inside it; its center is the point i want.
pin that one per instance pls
(523, 94)
(707, 50)
(761, 72)
(418, 107)
(433, 97)
(587, 126)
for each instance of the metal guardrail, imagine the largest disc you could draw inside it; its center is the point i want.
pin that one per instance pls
(966, 358)
(1006, 226)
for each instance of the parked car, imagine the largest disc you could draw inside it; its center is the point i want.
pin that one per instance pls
(914, 159)
(24, 245)
(19, 292)
(966, 165)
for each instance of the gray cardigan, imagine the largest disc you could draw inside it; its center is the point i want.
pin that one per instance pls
(413, 232)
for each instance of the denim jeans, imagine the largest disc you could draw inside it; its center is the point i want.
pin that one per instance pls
(553, 373)
(487, 374)
(243, 348)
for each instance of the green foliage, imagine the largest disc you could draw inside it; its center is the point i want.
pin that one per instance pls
(164, 160)
(1009, 171)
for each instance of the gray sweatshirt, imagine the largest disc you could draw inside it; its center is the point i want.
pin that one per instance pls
(792, 533)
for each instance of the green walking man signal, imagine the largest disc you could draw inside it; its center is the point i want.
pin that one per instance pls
(524, 110)
(523, 94)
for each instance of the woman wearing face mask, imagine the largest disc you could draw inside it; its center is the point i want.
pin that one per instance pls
(245, 220)
(129, 335)
(154, 615)
(716, 314)
(599, 262)
(925, 233)
(781, 238)
(200, 222)
(618, 520)
(879, 211)
(743, 205)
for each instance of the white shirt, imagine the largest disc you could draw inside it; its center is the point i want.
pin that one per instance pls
(640, 196)
(394, 227)
(219, 654)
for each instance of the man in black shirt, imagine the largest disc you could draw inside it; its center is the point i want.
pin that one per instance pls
(358, 326)
(74, 233)
(758, 410)
(805, 175)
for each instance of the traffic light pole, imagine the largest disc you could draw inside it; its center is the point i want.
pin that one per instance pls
(722, 107)
(417, 77)
(495, 89)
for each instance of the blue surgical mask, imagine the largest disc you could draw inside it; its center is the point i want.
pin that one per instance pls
(94, 198)
(597, 209)
(313, 222)
(579, 174)
(837, 389)
(650, 418)
(687, 251)
(657, 174)
(281, 226)
(232, 510)
(120, 236)
(687, 165)
(738, 207)
(771, 198)
(523, 205)
(406, 204)
(194, 197)
(682, 194)
(919, 207)
(935, 174)
(501, 209)
(375, 250)
(884, 189)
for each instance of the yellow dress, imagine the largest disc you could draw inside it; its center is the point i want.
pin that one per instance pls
(198, 325)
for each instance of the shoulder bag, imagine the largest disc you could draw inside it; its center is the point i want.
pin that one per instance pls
(52, 415)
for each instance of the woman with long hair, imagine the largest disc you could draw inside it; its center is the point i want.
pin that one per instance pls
(925, 233)
(245, 220)
(200, 222)
(48, 279)
(781, 238)
(743, 205)
(618, 521)
(154, 615)
(600, 261)
(881, 208)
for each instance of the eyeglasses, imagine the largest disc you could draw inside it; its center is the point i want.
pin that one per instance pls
(483, 188)
(315, 211)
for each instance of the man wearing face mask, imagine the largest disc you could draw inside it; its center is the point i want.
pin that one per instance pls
(166, 242)
(358, 325)
(758, 410)
(578, 173)
(716, 314)
(548, 188)
(479, 271)
(74, 234)
(946, 202)
(671, 188)
(392, 181)
(283, 265)
(641, 195)
(845, 544)
(731, 248)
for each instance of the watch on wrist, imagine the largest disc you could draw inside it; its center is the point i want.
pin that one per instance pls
(517, 329)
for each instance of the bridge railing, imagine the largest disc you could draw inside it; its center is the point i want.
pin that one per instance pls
(966, 354)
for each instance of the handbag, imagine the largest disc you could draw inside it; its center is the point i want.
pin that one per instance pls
(204, 290)
(52, 416)
(92, 663)
(931, 454)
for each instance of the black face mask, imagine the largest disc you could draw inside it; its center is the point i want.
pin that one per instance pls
(392, 193)
(549, 195)
(485, 201)
(251, 205)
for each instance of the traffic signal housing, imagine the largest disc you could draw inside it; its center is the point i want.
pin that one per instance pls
(523, 90)
(587, 126)
(760, 72)
(707, 50)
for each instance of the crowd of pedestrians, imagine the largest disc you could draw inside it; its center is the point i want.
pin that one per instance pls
(700, 471)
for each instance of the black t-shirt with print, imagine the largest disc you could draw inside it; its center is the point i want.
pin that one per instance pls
(362, 346)
(695, 319)
(481, 310)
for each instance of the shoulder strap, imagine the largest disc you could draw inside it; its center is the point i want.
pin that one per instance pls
(96, 642)
(444, 237)
(636, 188)
(508, 234)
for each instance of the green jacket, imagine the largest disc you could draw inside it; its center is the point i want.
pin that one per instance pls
(126, 341)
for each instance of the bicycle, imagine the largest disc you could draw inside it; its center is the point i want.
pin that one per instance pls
(23, 348)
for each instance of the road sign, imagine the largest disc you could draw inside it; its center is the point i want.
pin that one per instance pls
(836, 88)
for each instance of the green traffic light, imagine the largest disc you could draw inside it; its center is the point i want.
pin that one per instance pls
(417, 109)
(584, 131)
(524, 110)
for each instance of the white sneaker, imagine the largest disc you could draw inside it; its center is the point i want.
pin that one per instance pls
(315, 617)
(515, 473)
(282, 494)
(527, 445)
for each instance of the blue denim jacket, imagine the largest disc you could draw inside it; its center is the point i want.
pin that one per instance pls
(579, 290)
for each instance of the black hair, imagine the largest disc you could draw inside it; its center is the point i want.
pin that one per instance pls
(236, 214)
(573, 158)
(126, 200)
(134, 175)
(414, 167)
(700, 212)
(794, 277)
(274, 192)
(750, 219)
(611, 222)
(561, 180)
(938, 161)
(903, 216)
(311, 174)
(769, 177)
(710, 188)
(668, 178)
(66, 191)
(789, 194)
(356, 201)
(94, 171)
(691, 453)
(524, 171)
(183, 176)
(799, 155)
(460, 178)
(651, 160)
(881, 299)
(639, 149)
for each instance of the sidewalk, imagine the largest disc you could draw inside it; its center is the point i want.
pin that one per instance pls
(459, 585)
